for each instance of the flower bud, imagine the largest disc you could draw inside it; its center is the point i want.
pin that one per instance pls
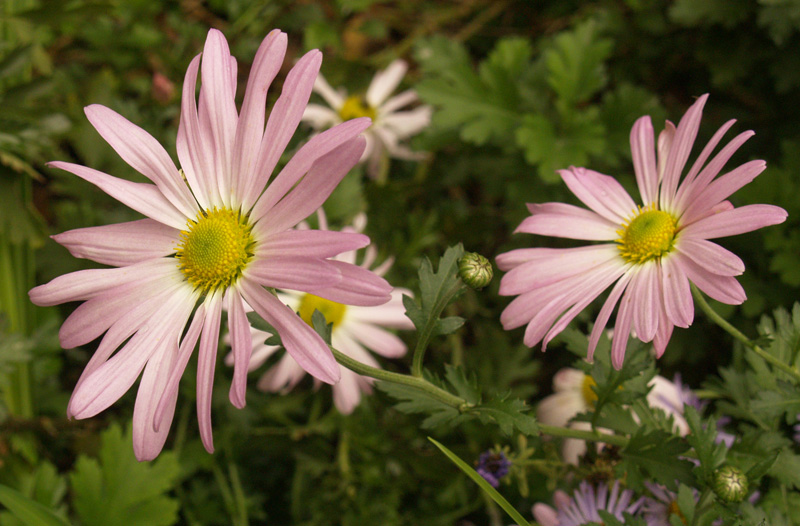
(730, 484)
(475, 270)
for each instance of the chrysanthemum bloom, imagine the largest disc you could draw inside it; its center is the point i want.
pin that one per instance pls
(654, 250)
(583, 507)
(573, 395)
(391, 123)
(356, 329)
(212, 238)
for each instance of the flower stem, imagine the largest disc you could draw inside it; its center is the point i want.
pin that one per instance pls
(464, 406)
(426, 333)
(736, 333)
(403, 379)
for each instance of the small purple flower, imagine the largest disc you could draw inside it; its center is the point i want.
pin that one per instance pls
(492, 466)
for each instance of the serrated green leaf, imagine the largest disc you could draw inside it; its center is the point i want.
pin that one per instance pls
(417, 401)
(481, 482)
(702, 437)
(465, 387)
(448, 325)
(27, 510)
(655, 455)
(508, 414)
(116, 489)
(787, 468)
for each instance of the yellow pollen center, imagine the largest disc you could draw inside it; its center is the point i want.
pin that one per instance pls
(647, 236)
(354, 107)
(215, 249)
(333, 312)
(589, 396)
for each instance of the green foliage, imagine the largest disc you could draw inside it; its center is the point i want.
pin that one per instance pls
(654, 455)
(28, 511)
(117, 489)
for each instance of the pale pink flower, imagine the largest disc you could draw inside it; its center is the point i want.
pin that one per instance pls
(391, 123)
(653, 250)
(356, 330)
(211, 240)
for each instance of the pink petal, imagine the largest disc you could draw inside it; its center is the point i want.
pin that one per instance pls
(622, 328)
(282, 376)
(601, 193)
(711, 256)
(305, 345)
(166, 405)
(106, 384)
(309, 194)
(385, 82)
(722, 288)
(664, 144)
(390, 315)
(121, 244)
(736, 221)
(250, 130)
(242, 346)
(378, 340)
(646, 295)
(220, 107)
(144, 198)
(319, 146)
(144, 153)
(194, 152)
(663, 335)
(310, 243)
(690, 183)
(86, 284)
(679, 151)
(293, 272)
(557, 265)
(605, 312)
(347, 393)
(95, 316)
(283, 121)
(358, 286)
(148, 443)
(644, 159)
(206, 360)
(678, 303)
(720, 189)
(568, 221)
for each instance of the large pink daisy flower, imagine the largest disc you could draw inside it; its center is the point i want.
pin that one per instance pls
(655, 249)
(213, 239)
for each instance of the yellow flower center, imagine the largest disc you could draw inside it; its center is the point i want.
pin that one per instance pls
(215, 249)
(355, 107)
(334, 312)
(649, 235)
(589, 396)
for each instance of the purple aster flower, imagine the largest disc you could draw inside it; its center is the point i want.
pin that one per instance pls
(583, 507)
(493, 465)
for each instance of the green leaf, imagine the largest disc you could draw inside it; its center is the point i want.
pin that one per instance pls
(575, 64)
(483, 484)
(655, 455)
(787, 468)
(436, 291)
(509, 414)
(116, 489)
(483, 107)
(417, 401)
(702, 437)
(27, 510)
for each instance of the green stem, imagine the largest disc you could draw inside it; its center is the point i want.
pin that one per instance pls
(464, 406)
(426, 333)
(736, 333)
(403, 379)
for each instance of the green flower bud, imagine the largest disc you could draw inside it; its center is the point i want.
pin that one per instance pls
(730, 484)
(475, 270)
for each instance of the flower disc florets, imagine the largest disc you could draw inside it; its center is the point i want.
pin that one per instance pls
(333, 312)
(649, 235)
(355, 107)
(215, 249)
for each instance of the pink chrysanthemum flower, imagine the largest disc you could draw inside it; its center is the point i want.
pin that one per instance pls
(585, 504)
(212, 238)
(654, 249)
(355, 331)
(391, 125)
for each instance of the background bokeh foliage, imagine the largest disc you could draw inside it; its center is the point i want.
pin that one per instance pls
(520, 88)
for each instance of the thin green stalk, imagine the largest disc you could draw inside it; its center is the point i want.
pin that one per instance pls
(590, 436)
(238, 494)
(424, 336)
(736, 333)
(403, 379)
